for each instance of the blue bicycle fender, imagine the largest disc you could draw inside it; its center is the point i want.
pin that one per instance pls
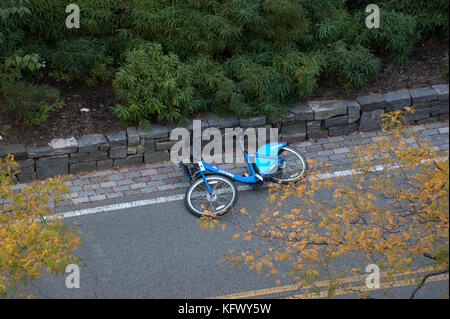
(266, 159)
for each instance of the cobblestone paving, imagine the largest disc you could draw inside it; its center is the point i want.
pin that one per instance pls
(150, 178)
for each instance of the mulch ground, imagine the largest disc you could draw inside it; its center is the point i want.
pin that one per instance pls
(423, 69)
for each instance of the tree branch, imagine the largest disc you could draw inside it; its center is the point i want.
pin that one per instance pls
(424, 279)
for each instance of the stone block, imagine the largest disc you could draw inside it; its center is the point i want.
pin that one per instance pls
(117, 139)
(427, 120)
(327, 109)
(92, 156)
(217, 121)
(52, 166)
(315, 129)
(343, 130)
(118, 162)
(105, 164)
(423, 95)
(287, 118)
(63, 146)
(118, 152)
(293, 132)
(135, 159)
(82, 167)
(302, 112)
(26, 166)
(39, 151)
(17, 150)
(336, 121)
(371, 120)
(353, 111)
(91, 142)
(256, 121)
(164, 145)
(371, 102)
(442, 91)
(151, 157)
(397, 100)
(26, 176)
(153, 131)
(132, 150)
(438, 107)
(132, 136)
(419, 114)
(422, 105)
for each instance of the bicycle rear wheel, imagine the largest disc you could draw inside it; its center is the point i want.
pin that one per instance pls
(201, 203)
(292, 168)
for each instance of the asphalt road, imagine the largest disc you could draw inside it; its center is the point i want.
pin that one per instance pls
(159, 251)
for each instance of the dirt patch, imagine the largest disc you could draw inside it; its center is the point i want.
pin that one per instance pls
(423, 69)
(87, 110)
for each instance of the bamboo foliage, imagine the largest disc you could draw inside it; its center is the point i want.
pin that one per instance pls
(263, 54)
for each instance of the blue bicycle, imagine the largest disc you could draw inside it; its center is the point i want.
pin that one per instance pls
(213, 191)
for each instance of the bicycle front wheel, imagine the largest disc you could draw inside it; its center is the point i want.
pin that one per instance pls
(222, 198)
(292, 168)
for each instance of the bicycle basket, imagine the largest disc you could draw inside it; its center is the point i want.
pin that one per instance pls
(190, 170)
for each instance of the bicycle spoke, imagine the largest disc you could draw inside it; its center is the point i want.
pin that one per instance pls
(291, 168)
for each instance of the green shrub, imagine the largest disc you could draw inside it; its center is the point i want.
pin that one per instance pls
(29, 103)
(47, 19)
(254, 83)
(351, 66)
(444, 71)
(240, 56)
(302, 68)
(15, 67)
(97, 18)
(395, 37)
(83, 59)
(265, 88)
(431, 15)
(153, 85)
(215, 89)
(12, 18)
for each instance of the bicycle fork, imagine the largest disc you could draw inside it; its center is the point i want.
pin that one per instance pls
(208, 188)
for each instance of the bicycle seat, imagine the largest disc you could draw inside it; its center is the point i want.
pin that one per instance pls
(266, 159)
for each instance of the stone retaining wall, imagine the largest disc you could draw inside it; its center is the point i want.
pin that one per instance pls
(312, 120)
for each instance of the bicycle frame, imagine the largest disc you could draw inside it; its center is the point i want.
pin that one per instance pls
(251, 179)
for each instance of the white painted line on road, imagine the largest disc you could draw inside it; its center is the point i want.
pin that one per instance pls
(172, 198)
(114, 207)
(145, 202)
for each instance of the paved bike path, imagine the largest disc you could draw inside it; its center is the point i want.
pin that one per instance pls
(166, 178)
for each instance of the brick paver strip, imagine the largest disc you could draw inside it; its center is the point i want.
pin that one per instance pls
(150, 178)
